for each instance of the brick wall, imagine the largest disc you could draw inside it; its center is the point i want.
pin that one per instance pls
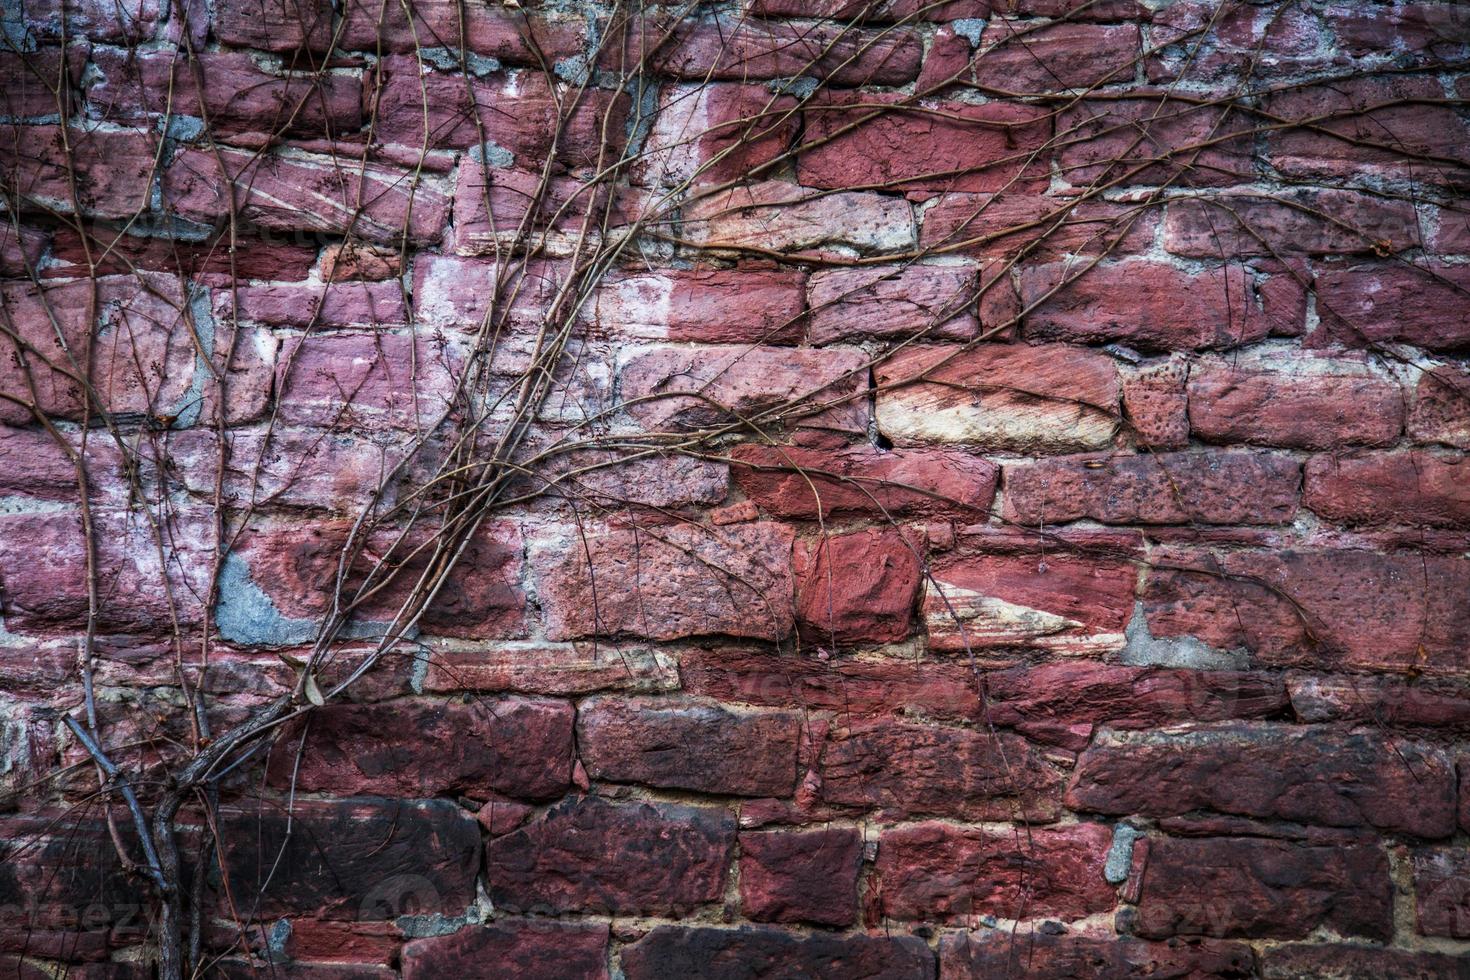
(995, 503)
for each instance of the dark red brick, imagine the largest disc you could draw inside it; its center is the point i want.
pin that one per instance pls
(807, 876)
(1345, 962)
(1309, 221)
(1416, 487)
(529, 948)
(734, 954)
(693, 745)
(1375, 304)
(1043, 956)
(858, 587)
(589, 855)
(1442, 892)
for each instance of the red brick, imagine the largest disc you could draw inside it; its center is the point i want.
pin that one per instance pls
(1155, 404)
(1044, 398)
(114, 169)
(1074, 9)
(1442, 892)
(96, 20)
(1240, 887)
(30, 77)
(734, 954)
(1152, 139)
(457, 293)
(1155, 306)
(306, 306)
(274, 25)
(59, 902)
(1306, 221)
(551, 668)
(1331, 607)
(1155, 488)
(516, 746)
(365, 381)
(694, 387)
(1277, 772)
(668, 582)
(1413, 487)
(1440, 411)
(1295, 401)
(257, 256)
(693, 745)
(294, 567)
(518, 115)
(1072, 604)
(1244, 42)
(866, 10)
(1417, 32)
(742, 50)
(910, 770)
(801, 877)
(889, 142)
(1345, 962)
(711, 133)
(1020, 56)
(1042, 956)
(926, 302)
(560, 204)
(239, 95)
(529, 948)
(858, 587)
(744, 305)
(937, 872)
(513, 36)
(377, 202)
(859, 480)
(1069, 692)
(1361, 126)
(851, 686)
(1001, 225)
(1375, 304)
(774, 216)
(589, 855)
(1395, 702)
(21, 249)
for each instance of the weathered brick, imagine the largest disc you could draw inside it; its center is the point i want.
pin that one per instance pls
(925, 302)
(809, 876)
(1295, 401)
(239, 95)
(1310, 221)
(1150, 138)
(907, 770)
(742, 49)
(378, 202)
(1001, 225)
(693, 745)
(686, 387)
(882, 10)
(1044, 398)
(711, 133)
(551, 668)
(65, 891)
(513, 36)
(1416, 32)
(364, 859)
(1155, 306)
(97, 20)
(1155, 488)
(1415, 487)
(746, 305)
(274, 25)
(529, 948)
(728, 954)
(1043, 956)
(1242, 42)
(1442, 892)
(1032, 699)
(1021, 56)
(668, 582)
(858, 587)
(859, 480)
(1072, 604)
(1359, 126)
(365, 381)
(1375, 304)
(515, 746)
(1352, 962)
(308, 306)
(890, 142)
(935, 872)
(1247, 888)
(1426, 702)
(1440, 410)
(115, 169)
(774, 216)
(1156, 406)
(1332, 607)
(589, 855)
(1276, 772)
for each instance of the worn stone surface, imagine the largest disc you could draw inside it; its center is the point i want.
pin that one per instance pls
(801, 877)
(857, 588)
(725, 954)
(975, 956)
(527, 947)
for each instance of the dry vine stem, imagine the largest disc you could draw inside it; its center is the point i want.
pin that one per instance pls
(158, 181)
